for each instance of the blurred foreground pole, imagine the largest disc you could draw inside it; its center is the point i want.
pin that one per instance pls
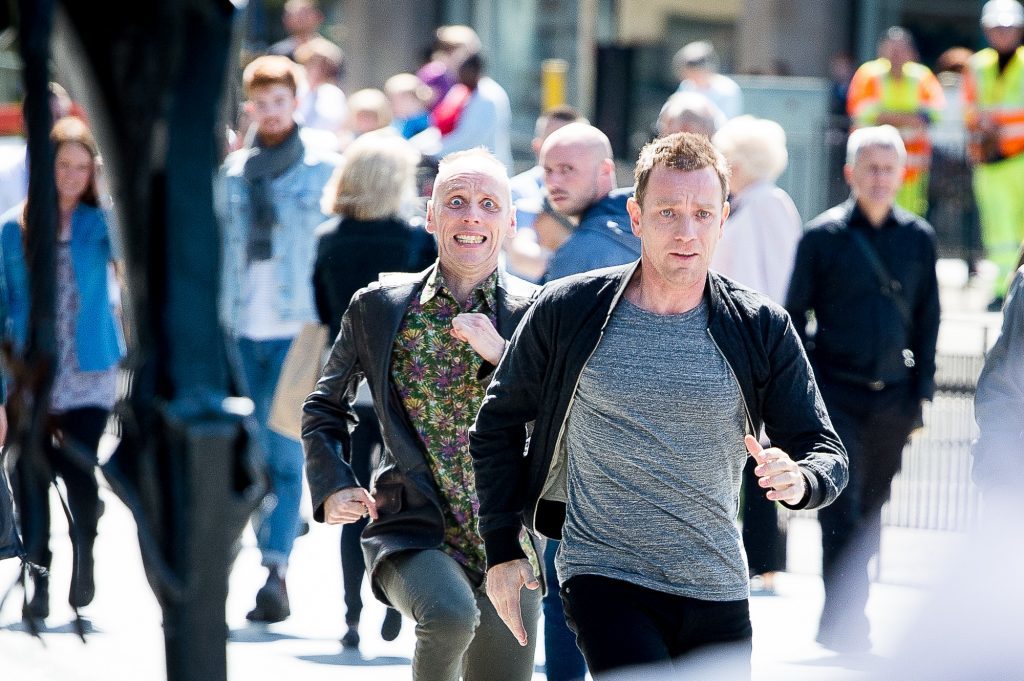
(150, 75)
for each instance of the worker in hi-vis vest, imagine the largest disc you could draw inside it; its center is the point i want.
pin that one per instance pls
(897, 91)
(994, 111)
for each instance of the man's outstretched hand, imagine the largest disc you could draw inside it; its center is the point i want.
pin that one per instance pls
(504, 582)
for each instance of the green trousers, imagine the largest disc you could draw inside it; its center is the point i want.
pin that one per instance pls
(999, 190)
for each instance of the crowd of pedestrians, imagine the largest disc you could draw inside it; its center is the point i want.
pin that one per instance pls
(497, 451)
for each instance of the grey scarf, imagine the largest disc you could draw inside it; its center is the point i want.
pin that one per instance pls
(262, 166)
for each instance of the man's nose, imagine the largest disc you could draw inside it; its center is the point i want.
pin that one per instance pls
(684, 228)
(473, 214)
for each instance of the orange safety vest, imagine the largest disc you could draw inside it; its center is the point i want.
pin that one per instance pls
(874, 91)
(997, 96)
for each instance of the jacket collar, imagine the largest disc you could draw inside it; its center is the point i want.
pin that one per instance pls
(511, 296)
(711, 290)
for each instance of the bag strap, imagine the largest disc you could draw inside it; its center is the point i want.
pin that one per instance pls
(889, 285)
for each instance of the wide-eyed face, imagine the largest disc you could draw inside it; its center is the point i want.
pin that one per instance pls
(471, 215)
(73, 171)
(875, 177)
(272, 108)
(679, 226)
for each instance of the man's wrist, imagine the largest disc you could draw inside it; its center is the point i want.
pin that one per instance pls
(502, 545)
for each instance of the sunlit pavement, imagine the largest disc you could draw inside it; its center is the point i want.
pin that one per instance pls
(127, 640)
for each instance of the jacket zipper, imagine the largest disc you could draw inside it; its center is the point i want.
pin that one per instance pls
(743, 397)
(561, 429)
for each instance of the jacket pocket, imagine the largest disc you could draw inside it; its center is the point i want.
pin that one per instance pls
(389, 497)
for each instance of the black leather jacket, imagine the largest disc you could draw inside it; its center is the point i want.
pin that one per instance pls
(536, 381)
(408, 502)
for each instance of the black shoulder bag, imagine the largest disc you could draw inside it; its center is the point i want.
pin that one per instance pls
(889, 285)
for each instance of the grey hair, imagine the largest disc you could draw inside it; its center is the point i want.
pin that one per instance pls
(883, 136)
(691, 112)
(757, 145)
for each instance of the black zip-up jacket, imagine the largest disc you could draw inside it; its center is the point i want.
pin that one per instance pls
(861, 336)
(408, 502)
(537, 377)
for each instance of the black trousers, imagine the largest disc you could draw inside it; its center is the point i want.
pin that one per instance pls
(71, 455)
(366, 441)
(763, 539)
(874, 427)
(619, 625)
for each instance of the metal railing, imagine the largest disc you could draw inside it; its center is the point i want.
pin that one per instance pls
(933, 490)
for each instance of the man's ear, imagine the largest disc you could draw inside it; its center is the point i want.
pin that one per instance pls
(608, 166)
(848, 174)
(430, 217)
(633, 208)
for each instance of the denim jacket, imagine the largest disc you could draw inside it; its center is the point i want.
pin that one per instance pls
(98, 336)
(297, 195)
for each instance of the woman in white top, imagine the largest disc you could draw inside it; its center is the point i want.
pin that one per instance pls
(759, 244)
(757, 249)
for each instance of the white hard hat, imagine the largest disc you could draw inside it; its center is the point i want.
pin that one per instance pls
(1002, 13)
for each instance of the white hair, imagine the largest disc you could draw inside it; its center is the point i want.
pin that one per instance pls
(883, 136)
(757, 145)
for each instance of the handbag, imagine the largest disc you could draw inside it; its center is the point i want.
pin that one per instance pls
(299, 374)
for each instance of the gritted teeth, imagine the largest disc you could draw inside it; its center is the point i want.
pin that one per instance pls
(470, 238)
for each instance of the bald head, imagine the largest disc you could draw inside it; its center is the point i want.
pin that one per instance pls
(582, 137)
(578, 167)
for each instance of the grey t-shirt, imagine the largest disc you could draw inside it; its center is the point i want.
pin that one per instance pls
(655, 456)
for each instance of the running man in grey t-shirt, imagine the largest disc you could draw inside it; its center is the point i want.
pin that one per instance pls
(646, 384)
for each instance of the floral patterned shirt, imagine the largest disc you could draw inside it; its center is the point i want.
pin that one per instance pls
(436, 377)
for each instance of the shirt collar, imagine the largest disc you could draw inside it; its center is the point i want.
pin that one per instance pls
(486, 293)
(859, 219)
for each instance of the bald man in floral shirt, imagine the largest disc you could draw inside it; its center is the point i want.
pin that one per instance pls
(427, 345)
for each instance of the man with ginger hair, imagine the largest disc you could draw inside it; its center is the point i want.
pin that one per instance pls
(268, 202)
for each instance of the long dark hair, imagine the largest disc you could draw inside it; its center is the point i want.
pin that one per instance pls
(73, 130)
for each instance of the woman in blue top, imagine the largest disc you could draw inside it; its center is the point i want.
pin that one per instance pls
(89, 346)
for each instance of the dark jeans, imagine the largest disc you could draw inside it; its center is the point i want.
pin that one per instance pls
(366, 440)
(620, 625)
(874, 427)
(562, 659)
(78, 433)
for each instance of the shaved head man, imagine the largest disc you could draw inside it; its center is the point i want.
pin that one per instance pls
(578, 167)
(579, 174)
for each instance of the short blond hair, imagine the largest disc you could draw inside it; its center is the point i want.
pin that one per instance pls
(373, 101)
(375, 178)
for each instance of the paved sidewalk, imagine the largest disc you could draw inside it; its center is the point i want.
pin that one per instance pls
(127, 643)
(128, 640)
